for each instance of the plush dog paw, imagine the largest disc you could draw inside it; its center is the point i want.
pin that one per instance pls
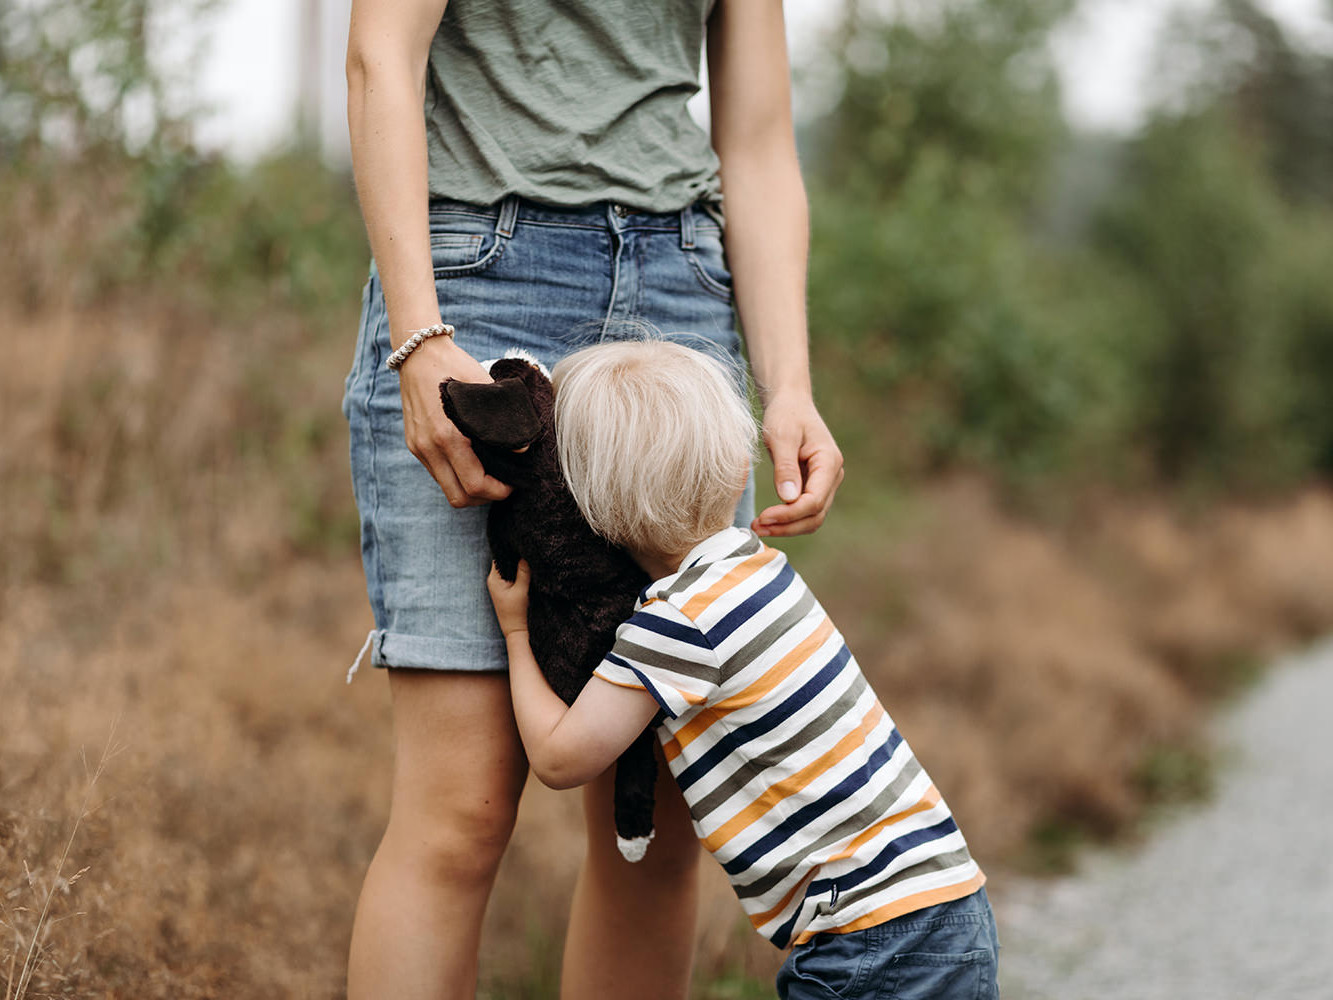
(634, 848)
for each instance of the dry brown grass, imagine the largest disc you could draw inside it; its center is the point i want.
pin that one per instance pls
(174, 554)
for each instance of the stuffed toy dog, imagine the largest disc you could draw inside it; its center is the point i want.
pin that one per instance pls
(583, 587)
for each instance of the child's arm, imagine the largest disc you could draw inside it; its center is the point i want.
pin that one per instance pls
(567, 745)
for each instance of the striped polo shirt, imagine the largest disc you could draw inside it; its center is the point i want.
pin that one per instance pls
(796, 777)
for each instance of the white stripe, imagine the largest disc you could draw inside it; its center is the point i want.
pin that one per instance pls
(821, 825)
(926, 882)
(798, 759)
(733, 597)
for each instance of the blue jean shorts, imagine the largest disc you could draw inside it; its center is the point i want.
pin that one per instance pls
(944, 952)
(513, 275)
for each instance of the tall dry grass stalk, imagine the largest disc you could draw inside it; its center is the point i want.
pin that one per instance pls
(32, 959)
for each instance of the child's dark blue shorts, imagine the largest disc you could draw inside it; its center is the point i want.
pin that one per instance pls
(944, 952)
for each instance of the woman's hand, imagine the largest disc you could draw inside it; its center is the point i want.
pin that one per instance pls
(807, 467)
(510, 599)
(431, 436)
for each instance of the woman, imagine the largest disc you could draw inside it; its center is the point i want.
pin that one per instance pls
(553, 190)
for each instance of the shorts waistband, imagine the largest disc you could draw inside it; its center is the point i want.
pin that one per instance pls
(515, 210)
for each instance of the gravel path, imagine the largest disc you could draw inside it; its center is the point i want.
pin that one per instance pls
(1230, 901)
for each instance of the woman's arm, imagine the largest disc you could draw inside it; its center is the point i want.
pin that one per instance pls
(767, 237)
(388, 43)
(567, 745)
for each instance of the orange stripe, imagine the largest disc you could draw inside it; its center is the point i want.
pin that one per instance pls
(775, 674)
(780, 670)
(622, 684)
(929, 800)
(900, 907)
(759, 919)
(689, 696)
(790, 786)
(696, 727)
(699, 603)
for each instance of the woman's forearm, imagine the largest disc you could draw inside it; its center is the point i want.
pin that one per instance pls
(767, 234)
(386, 65)
(767, 244)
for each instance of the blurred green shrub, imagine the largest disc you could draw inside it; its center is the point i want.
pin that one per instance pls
(990, 290)
(102, 191)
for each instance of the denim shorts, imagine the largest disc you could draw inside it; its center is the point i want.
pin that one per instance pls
(944, 952)
(513, 275)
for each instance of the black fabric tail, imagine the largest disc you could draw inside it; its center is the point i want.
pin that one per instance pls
(636, 776)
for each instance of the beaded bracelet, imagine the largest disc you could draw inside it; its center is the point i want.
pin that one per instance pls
(415, 340)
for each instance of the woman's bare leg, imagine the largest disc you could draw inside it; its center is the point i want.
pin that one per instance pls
(459, 770)
(631, 927)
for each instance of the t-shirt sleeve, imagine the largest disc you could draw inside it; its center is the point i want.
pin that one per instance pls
(661, 651)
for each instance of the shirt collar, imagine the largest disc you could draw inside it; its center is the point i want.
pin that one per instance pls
(717, 546)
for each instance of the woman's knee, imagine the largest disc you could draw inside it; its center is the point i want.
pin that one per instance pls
(458, 774)
(454, 842)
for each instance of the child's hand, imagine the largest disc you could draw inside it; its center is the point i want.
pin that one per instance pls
(510, 599)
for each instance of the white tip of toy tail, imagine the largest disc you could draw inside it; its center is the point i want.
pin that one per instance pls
(522, 355)
(634, 848)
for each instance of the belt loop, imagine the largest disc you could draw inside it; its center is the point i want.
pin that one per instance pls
(508, 218)
(687, 228)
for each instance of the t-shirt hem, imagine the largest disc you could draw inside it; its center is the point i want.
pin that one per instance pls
(902, 907)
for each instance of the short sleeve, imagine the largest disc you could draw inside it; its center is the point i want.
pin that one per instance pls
(659, 650)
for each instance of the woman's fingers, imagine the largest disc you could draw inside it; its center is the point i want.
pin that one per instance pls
(431, 436)
(468, 472)
(807, 470)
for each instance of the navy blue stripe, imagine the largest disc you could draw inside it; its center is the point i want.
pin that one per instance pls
(891, 852)
(647, 684)
(751, 606)
(651, 622)
(732, 742)
(803, 817)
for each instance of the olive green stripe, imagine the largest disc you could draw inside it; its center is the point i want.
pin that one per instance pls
(869, 814)
(792, 746)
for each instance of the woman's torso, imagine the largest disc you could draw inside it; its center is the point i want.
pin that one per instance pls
(569, 103)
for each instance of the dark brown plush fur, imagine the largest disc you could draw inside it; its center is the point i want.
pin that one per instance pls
(582, 587)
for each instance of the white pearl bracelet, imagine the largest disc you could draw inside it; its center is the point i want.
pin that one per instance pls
(415, 340)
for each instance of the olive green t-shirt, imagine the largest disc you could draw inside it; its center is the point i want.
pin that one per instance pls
(569, 102)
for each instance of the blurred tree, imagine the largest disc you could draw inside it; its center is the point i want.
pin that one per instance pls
(926, 279)
(969, 78)
(81, 78)
(1221, 216)
(999, 292)
(1279, 92)
(103, 189)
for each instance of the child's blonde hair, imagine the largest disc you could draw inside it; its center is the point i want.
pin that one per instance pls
(655, 441)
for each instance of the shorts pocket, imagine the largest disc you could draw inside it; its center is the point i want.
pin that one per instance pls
(827, 967)
(460, 247)
(929, 976)
(709, 262)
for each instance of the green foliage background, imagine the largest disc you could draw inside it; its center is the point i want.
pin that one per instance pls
(988, 289)
(993, 290)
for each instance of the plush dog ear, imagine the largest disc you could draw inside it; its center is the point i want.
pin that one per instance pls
(497, 413)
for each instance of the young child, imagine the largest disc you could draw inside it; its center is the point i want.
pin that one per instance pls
(798, 782)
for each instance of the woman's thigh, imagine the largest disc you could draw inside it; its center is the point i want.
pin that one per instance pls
(459, 767)
(543, 280)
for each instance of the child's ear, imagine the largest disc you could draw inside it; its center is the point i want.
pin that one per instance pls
(495, 413)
